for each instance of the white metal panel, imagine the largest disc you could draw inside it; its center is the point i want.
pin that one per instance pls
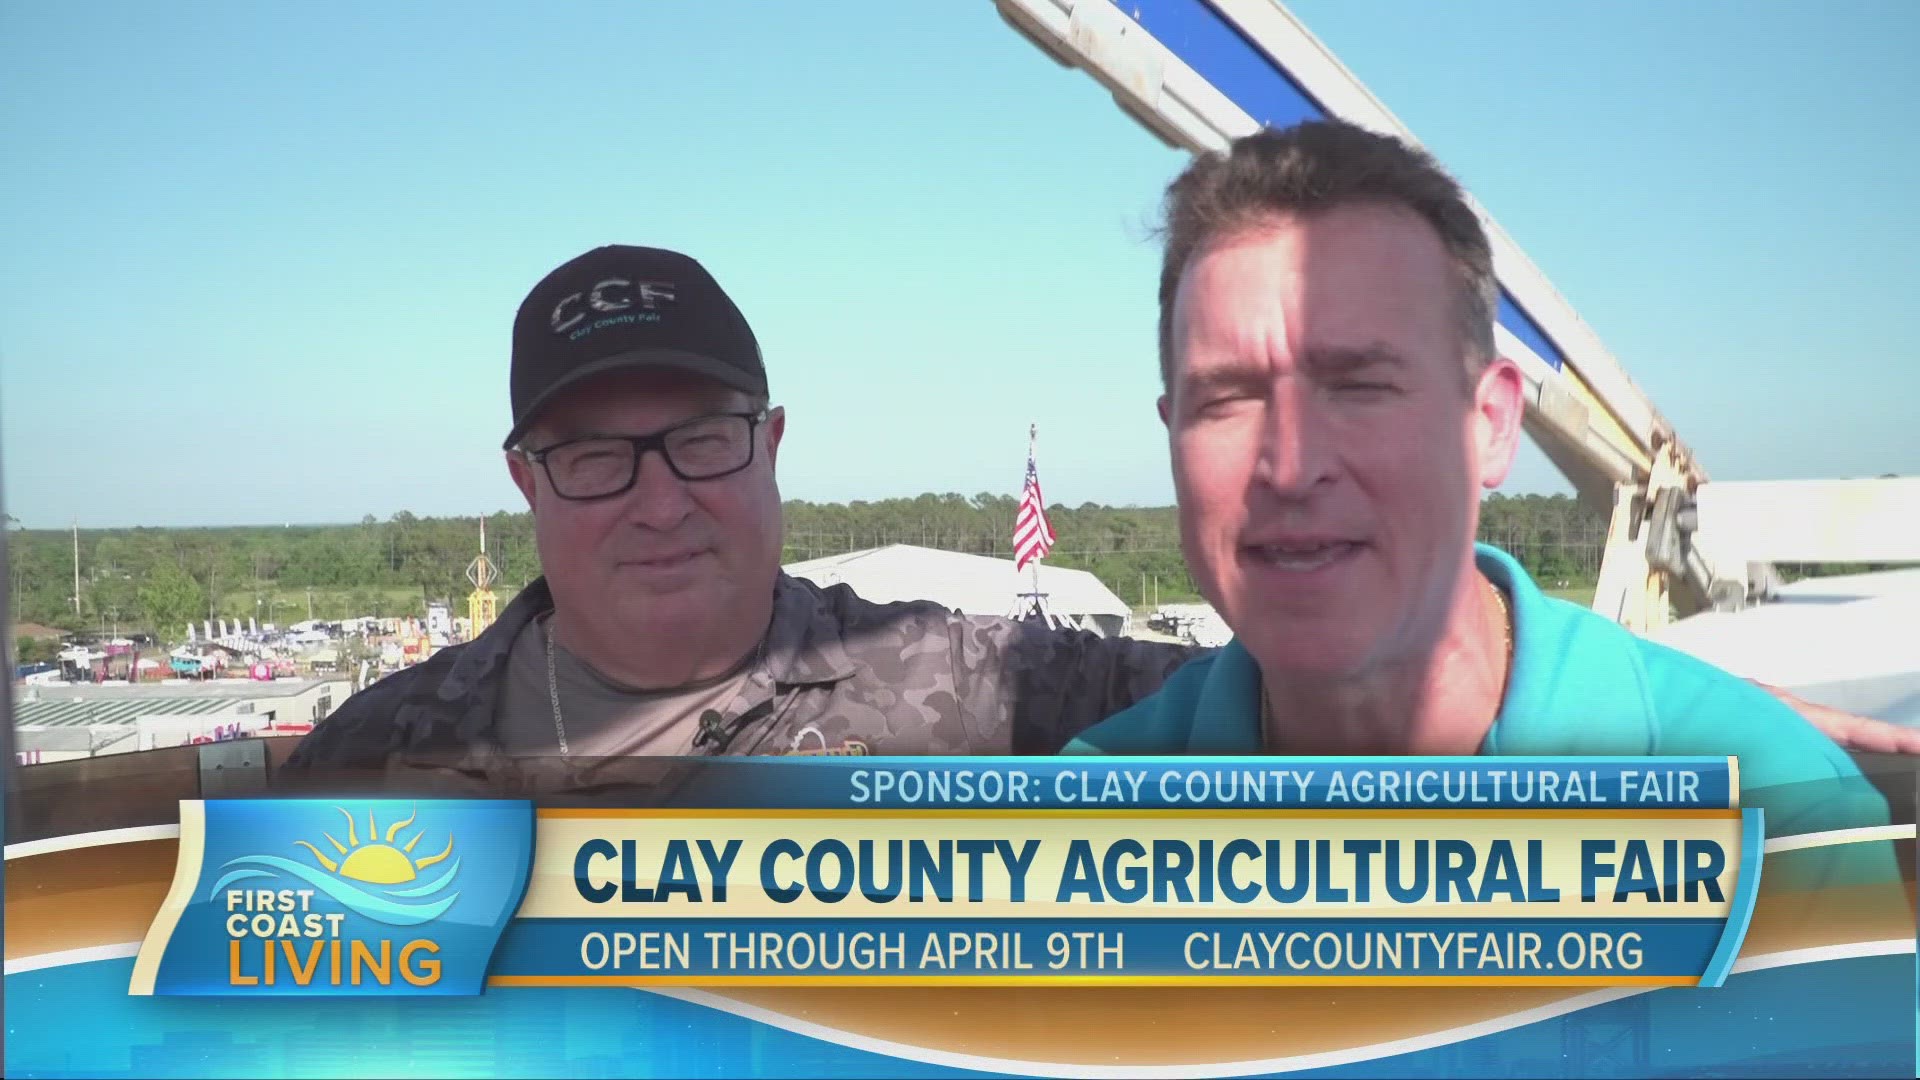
(1865, 521)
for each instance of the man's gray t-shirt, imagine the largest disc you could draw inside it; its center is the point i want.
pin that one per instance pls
(603, 718)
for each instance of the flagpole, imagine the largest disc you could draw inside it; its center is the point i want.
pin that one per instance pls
(1033, 440)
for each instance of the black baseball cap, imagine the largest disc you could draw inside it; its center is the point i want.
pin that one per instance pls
(621, 307)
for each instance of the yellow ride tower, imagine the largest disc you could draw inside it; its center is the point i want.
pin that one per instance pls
(481, 606)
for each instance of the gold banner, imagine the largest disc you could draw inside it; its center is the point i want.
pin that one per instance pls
(998, 864)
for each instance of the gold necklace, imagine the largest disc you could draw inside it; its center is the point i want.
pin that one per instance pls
(1506, 626)
(1506, 615)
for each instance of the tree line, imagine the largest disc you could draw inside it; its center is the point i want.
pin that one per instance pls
(157, 580)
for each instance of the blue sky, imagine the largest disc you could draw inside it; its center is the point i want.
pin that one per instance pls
(258, 262)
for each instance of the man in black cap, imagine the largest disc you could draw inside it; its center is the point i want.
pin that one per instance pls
(645, 444)
(661, 565)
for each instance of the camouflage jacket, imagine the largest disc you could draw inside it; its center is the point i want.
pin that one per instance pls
(839, 675)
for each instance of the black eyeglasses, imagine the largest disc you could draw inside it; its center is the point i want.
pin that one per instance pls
(602, 466)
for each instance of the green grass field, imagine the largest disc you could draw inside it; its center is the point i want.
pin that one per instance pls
(286, 606)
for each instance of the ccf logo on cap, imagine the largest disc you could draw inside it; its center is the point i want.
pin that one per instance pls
(611, 295)
(620, 307)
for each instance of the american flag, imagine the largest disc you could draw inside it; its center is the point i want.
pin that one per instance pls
(1032, 536)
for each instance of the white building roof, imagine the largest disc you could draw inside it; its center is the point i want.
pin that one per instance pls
(1819, 630)
(224, 689)
(104, 711)
(972, 584)
(89, 704)
(1851, 587)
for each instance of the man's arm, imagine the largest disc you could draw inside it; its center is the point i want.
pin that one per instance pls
(1057, 683)
(1858, 734)
(1054, 683)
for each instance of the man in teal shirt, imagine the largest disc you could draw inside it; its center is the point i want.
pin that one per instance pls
(1335, 405)
(1579, 685)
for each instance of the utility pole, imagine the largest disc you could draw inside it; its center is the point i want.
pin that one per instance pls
(76, 566)
(309, 603)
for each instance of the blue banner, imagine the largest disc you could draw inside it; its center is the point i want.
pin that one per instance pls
(1228, 783)
(1223, 950)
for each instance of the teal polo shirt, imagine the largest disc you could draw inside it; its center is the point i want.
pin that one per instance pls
(1580, 685)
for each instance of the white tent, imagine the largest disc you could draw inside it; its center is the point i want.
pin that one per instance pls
(971, 584)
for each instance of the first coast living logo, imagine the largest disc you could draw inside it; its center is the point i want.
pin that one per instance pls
(267, 907)
(347, 897)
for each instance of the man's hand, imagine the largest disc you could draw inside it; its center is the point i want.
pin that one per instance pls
(1858, 734)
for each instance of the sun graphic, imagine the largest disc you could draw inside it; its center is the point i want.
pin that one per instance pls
(376, 862)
